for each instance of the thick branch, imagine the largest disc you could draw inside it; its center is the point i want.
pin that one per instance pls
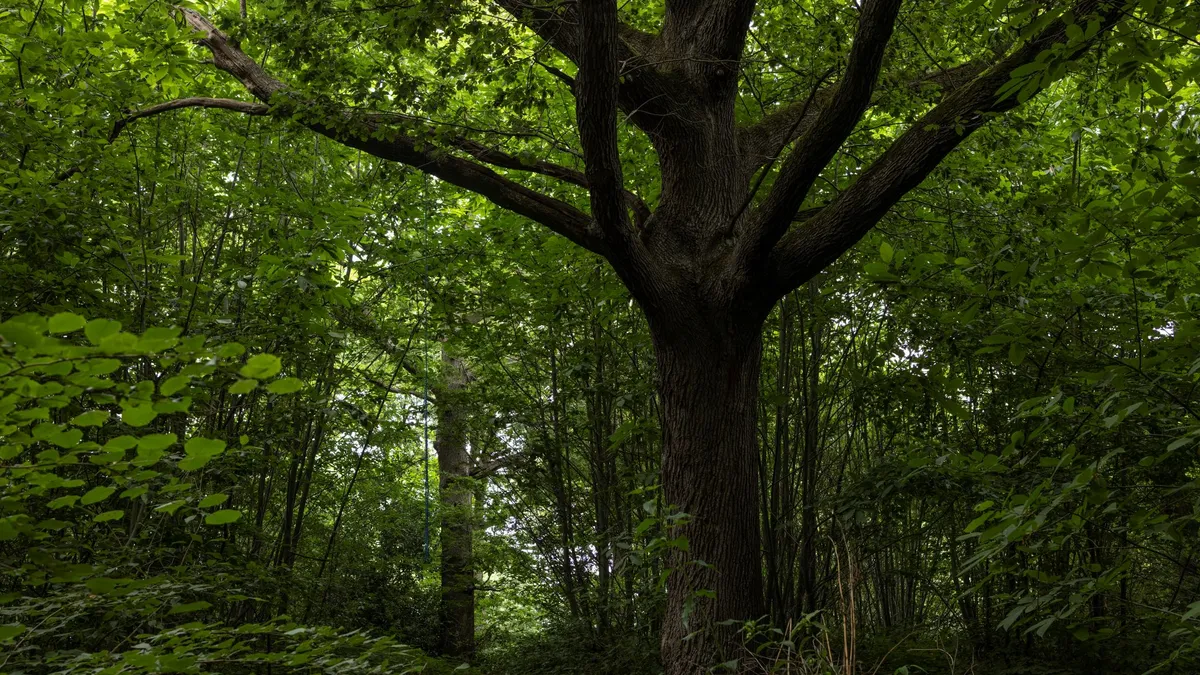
(596, 114)
(765, 140)
(808, 249)
(829, 130)
(712, 31)
(365, 133)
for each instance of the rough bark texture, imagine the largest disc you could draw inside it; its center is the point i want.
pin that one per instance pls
(708, 384)
(456, 489)
(712, 258)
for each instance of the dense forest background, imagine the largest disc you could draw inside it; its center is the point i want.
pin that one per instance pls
(233, 352)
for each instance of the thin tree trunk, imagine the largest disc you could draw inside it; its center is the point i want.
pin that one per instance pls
(457, 609)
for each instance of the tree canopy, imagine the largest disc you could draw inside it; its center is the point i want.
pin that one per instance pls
(576, 336)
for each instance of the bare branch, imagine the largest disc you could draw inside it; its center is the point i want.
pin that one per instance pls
(246, 107)
(364, 132)
(809, 248)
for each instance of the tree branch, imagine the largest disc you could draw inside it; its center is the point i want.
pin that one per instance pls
(596, 115)
(477, 150)
(807, 249)
(506, 161)
(827, 132)
(364, 132)
(246, 107)
(764, 141)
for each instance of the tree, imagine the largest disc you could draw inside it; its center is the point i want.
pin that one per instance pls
(713, 257)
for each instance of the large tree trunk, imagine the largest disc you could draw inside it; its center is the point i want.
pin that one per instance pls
(457, 608)
(708, 384)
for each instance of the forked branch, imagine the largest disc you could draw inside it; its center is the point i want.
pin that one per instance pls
(831, 127)
(809, 248)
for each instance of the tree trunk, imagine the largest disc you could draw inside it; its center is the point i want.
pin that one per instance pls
(708, 385)
(457, 608)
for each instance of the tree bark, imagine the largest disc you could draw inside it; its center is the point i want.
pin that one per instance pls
(708, 385)
(457, 608)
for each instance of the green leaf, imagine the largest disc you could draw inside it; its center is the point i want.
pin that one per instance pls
(261, 366)
(9, 631)
(223, 517)
(206, 447)
(974, 524)
(139, 415)
(108, 515)
(91, 418)
(123, 442)
(173, 384)
(1179, 443)
(190, 607)
(20, 334)
(66, 322)
(886, 252)
(170, 507)
(96, 494)
(243, 386)
(63, 501)
(1016, 353)
(200, 451)
(68, 438)
(1028, 69)
(152, 442)
(287, 385)
(213, 500)
(98, 329)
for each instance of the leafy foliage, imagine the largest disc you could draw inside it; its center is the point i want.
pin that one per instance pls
(221, 337)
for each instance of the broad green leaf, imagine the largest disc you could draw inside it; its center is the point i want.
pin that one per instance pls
(190, 607)
(96, 494)
(200, 451)
(1016, 353)
(213, 500)
(243, 386)
(152, 442)
(91, 418)
(287, 385)
(222, 517)
(66, 322)
(139, 415)
(99, 329)
(171, 385)
(108, 515)
(63, 501)
(206, 447)
(261, 366)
